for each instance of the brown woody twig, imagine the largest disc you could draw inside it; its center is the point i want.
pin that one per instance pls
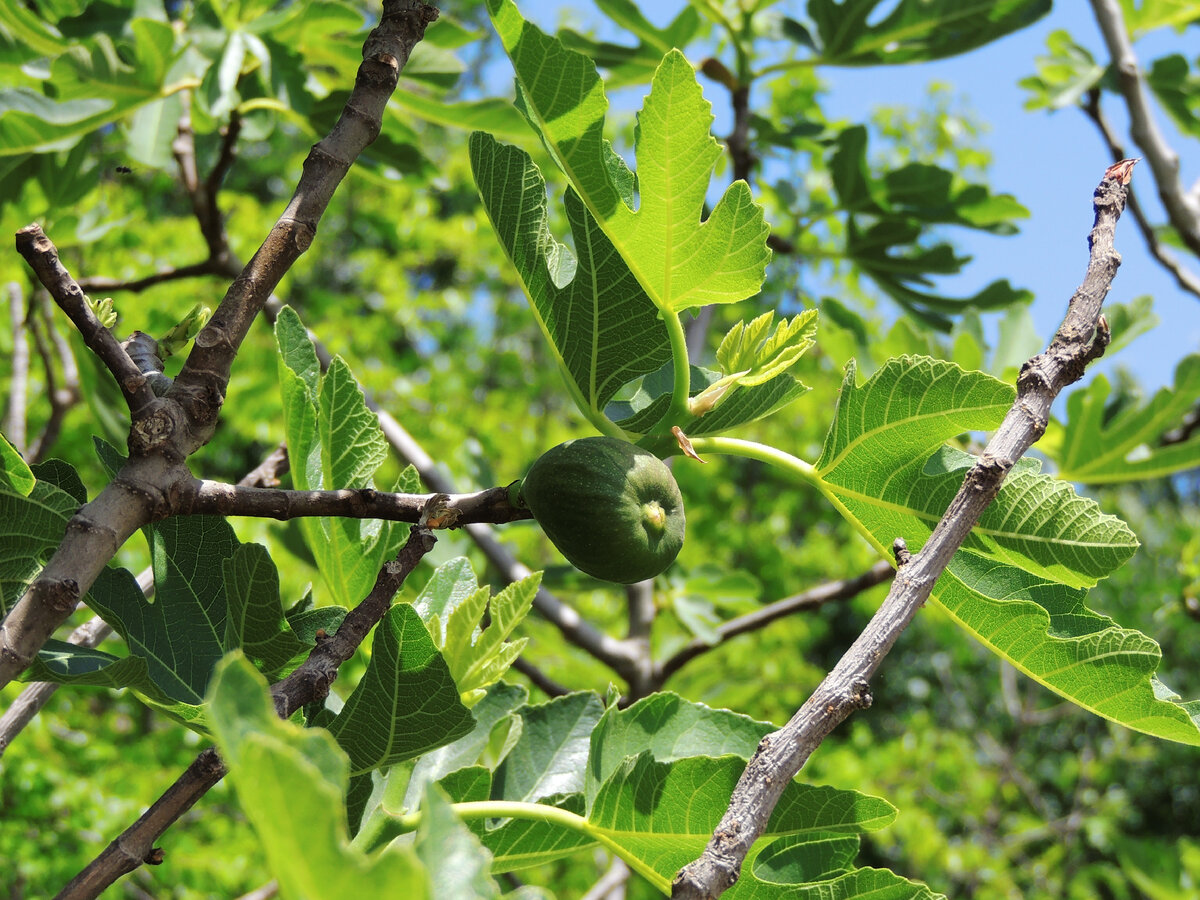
(62, 396)
(820, 595)
(1081, 338)
(214, 498)
(42, 256)
(1183, 207)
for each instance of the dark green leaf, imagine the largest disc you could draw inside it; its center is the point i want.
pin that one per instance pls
(406, 703)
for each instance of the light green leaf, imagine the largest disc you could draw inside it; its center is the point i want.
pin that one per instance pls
(478, 660)
(15, 476)
(495, 116)
(627, 65)
(406, 703)
(1017, 585)
(551, 756)
(1094, 449)
(94, 85)
(452, 606)
(737, 405)
(1063, 76)
(599, 322)
(334, 442)
(498, 707)
(752, 349)
(671, 728)
(785, 872)
(910, 405)
(1143, 16)
(680, 261)
(1044, 629)
(521, 843)
(458, 865)
(291, 784)
(657, 813)
(1129, 321)
(23, 26)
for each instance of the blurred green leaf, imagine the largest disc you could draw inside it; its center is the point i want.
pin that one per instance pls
(1177, 88)
(1097, 449)
(914, 30)
(1063, 76)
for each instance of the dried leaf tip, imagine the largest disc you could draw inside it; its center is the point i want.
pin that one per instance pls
(684, 444)
(1122, 171)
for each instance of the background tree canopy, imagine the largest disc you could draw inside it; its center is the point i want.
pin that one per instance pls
(624, 221)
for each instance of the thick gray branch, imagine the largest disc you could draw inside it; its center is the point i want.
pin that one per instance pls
(780, 756)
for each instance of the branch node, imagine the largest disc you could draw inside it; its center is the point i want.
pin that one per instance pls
(61, 594)
(153, 430)
(860, 696)
(901, 552)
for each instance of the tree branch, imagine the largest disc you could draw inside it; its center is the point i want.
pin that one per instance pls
(165, 431)
(14, 414)
(31, 700)
(540, 679)
(201, 384)
(216, 498)
(1184, 277)
(203, 195)
(173, 273)
(62, 397)
(42, 256)
(1183, 209)
(1081, 338)
(826, 593)
(307, 684)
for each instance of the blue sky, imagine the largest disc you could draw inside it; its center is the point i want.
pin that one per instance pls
(1051, 162)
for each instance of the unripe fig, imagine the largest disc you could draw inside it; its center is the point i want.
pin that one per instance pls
(612, 509)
